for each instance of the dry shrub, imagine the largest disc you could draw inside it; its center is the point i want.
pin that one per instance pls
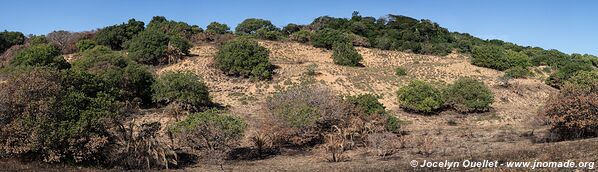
(425, 145)
(9, 54)
(67, 41)
(305, 113)
(572, 113)
(137, 147)
(384, 144)
(335, 145)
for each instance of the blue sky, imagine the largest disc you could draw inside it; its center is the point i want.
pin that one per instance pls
(569, 26)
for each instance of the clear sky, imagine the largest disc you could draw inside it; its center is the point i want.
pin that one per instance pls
(567, 25)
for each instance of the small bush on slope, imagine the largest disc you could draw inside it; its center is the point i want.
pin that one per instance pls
(302, 36)
(468, 95)
(572, 113)
(345, 54)
(368, 102)
(326, 38)
(40, 55)
(244, 57)
(420, 96)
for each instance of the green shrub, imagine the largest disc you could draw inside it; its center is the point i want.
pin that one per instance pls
(244, 57)
(367, 102)
(115, 36)
(52, 122)
(584, 81)
(326, 38)
(183, 88)
(468, 95)
(266, 34)
(498, 58)
(518, 72)
(302, 36)
(40, 55)
(123, 78)
(85, 44)
(252, 25)
(148, 47)
(36, 40)
(218, 28)
(177, 48)
(420, 96)
(400, 71)
(345, 54)
(393, 124)
(566, 71)
(172, 28)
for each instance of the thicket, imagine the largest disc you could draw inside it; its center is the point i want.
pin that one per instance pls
(172, 28)
(181, 88)
(116, 36)
(151, 47)
(40, 55)
(244, 57)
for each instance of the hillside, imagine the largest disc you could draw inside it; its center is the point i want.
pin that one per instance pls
(338, 94)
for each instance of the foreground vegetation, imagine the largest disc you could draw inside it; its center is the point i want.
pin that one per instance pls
(80, 111)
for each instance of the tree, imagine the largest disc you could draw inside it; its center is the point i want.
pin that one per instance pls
(8, 39)
(420, 96)
(468, 95)
(172, 28)
(252, 25)
(244, 57)
(65, 41)
(218, 28)
(344, 54)
(85, 44)
(115, 36)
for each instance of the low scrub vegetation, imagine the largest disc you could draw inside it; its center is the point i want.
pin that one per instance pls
(181, 88)
(115, 36)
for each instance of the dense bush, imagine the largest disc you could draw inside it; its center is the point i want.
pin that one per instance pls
(172, 28)
(566, 71)
(85, 44)
(218, 28)
(40, 55)
(518, 72)
(8, 39)
(468, 95)
(115, 36)
(302, 36)
(584, 81)
(123, 78)
(244, 57)
(148, 47)
(326, 38)
(213, 132)
(367, 102)
(420, 96)
(252, 25)
(182, 88)
(44, 120)
(345, 54)
(572, 113)
(498, 58)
